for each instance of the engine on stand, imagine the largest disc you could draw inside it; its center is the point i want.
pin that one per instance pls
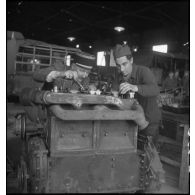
(84, 143)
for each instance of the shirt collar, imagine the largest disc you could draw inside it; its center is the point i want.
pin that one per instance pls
(134, 70)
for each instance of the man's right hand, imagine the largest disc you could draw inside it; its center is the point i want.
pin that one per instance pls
(69, 74)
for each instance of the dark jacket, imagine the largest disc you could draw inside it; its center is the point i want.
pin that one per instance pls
(148, 91)
(62, 84)
(186, 85)
(169, 83)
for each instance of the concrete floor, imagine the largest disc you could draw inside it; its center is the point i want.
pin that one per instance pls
(172, 180)
(14, 142)
(167, 188)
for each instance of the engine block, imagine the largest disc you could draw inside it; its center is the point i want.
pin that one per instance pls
(90, 146)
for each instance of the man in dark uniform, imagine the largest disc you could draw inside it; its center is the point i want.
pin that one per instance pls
(64, 80)
(170, 82)
(186, 87)
(177, 78)
(140, 80)
(67, 79)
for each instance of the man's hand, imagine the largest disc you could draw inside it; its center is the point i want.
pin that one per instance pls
(125, 87)
(69, 74)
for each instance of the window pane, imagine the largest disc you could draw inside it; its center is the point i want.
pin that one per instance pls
(42, 52)
(41, 67)
(160, 48)
(18, 67)
(18, 58)
(58, 54)
(43, 60)
(26, 50)
(101, 61)
(68, 59)
(28, 59)
(23, 67)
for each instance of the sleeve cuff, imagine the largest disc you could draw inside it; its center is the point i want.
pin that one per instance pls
(139, 89)
(143, 125)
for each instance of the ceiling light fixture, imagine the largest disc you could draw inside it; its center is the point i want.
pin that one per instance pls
(77, 46)
(185, 43)
(71, 38)
(119, 28)
(124, 42)
(90, 46)
(20, 3)
(135, 49)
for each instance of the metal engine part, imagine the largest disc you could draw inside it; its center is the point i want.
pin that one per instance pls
(87, 149)
(126, 172)
(38, 164)
(23, 176)
(20, 125)
(80, 173)
(153, 173)
(25, 127)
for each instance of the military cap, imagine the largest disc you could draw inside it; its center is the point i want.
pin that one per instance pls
(121, 50)
(84, 60)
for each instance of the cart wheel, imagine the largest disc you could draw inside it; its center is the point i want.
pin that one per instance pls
(22, 176)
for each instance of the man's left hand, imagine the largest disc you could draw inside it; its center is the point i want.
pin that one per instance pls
(125, 87)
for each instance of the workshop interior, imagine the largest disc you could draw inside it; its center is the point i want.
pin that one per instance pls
(97, 96)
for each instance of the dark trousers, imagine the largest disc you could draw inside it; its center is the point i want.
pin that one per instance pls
(151, 130)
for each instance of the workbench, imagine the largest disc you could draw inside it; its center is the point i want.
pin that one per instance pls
(176, 132)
